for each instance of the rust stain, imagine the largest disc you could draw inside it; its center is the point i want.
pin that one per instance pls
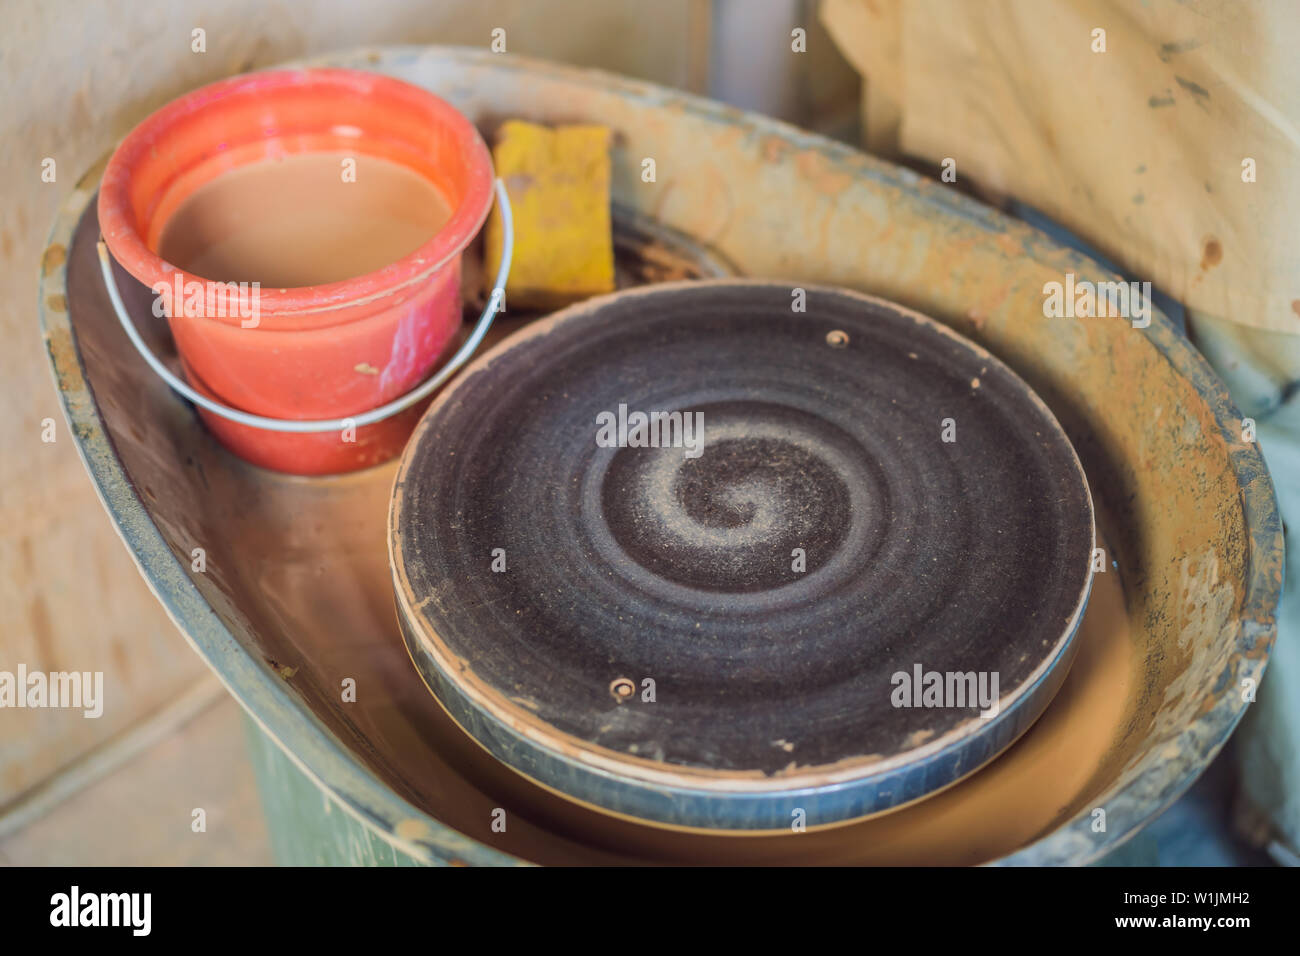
(1212, 255)
(54, 256)
(64, 356)
(774, 149)
(284, 670)
(1295, 306)
(821, 174)
(57, 303)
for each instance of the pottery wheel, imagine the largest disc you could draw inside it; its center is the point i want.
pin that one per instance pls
(741, 629)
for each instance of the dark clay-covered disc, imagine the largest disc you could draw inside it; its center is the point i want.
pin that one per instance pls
(744, 629)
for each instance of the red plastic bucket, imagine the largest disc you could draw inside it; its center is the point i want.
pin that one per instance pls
(316, 352)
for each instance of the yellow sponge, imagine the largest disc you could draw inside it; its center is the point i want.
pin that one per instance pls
(558, 183)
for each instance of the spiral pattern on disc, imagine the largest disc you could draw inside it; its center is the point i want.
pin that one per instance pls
(825, 537)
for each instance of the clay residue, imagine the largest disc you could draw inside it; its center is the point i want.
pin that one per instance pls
(1170, 50)
(412, 829)
(774, 149)
(821, 173)
(1212, 255)
(1207, 630)
(54, 257)
(63, 355)
(1198, 91)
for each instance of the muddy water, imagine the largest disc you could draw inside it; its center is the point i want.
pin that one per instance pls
(303, 220)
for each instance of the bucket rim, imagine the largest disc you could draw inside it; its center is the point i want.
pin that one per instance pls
(304, 308)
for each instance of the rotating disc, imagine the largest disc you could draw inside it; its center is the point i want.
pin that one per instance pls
(836, 567)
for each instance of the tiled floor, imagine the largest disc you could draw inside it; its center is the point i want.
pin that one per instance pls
(141, 813)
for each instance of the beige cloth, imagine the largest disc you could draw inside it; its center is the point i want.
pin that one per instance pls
(1138, 149)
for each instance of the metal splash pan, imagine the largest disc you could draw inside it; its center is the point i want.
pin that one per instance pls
(296, 595)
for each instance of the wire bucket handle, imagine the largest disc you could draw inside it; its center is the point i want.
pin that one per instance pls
(300, 426)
